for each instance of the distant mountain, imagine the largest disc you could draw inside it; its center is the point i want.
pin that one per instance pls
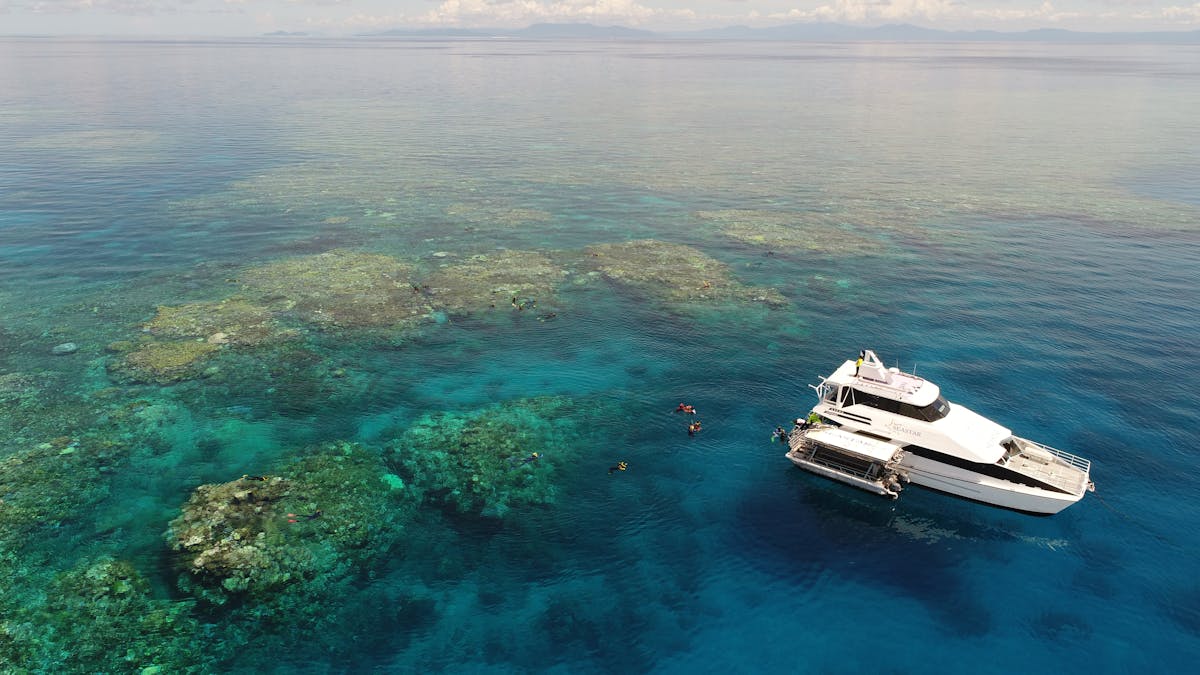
(582, 30)
(284, 33)
(799, 32)
(538, 31)
(834, 32)
(438, 33)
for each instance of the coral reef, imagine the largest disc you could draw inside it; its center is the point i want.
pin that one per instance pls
(51, 483)
(475, 462)
(15, 387)
(488, 214)
(101, 617)
(162, 362)
(224, 530)
(291, 379)
(231, 321)
(793, 231)
(279, 538)
(494, 280)
(675, 273)
(341, 289)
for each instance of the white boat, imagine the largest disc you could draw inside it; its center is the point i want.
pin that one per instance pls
(945, 446)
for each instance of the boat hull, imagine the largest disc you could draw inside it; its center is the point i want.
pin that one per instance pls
(984, 489)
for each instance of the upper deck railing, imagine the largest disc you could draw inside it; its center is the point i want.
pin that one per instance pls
(1074, 460)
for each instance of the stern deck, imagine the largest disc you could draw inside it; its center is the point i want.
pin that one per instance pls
(1055, 467)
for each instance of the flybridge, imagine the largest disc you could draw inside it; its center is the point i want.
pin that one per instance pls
(868, 382)
(877, 378)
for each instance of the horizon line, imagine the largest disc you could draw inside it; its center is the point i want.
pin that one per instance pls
(635, 33)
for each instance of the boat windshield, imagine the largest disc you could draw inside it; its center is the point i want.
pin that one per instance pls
(937, 410)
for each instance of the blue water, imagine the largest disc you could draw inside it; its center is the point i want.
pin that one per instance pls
(1031, 244)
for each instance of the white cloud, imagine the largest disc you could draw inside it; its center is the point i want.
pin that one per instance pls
(355, 22)
(506, 13)
(1183, 15)
(875, 11)
(350, 16)
(1043, 12)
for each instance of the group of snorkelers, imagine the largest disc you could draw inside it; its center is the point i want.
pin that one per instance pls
(531, 303)
(694, 426)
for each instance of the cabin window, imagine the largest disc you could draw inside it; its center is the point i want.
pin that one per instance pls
(877, 402)
(930, 413)
(938, 409)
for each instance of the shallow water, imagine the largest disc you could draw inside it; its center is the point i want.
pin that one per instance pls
(1017, 222)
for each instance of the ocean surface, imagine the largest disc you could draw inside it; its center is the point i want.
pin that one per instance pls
(356, 284)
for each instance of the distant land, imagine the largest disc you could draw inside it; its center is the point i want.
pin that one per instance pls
(800, 32)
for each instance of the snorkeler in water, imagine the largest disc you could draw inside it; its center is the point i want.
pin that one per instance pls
(619, 466)
(294, 517)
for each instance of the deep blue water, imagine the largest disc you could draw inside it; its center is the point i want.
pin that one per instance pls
(1032, 245)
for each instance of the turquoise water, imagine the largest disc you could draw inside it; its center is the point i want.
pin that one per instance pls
(304, 260)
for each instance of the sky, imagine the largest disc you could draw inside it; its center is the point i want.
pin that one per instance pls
(235, 18)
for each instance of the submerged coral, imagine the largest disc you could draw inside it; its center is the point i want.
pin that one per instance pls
(43, 486)
(343, 289)
(495, 279)
(163, 362)
(483, 462)
(223, 534)
(674, 272)
(793, 231)
(231, 321)
(489, 214)
(102, 617)
(321, 518)
(293, 379)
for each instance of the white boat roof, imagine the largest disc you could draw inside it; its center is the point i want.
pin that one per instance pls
(857, 444)
(875, 378)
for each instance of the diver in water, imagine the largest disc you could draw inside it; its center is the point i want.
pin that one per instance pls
(694, 428)
(521, 461)
(619, 466)
(294, 517)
